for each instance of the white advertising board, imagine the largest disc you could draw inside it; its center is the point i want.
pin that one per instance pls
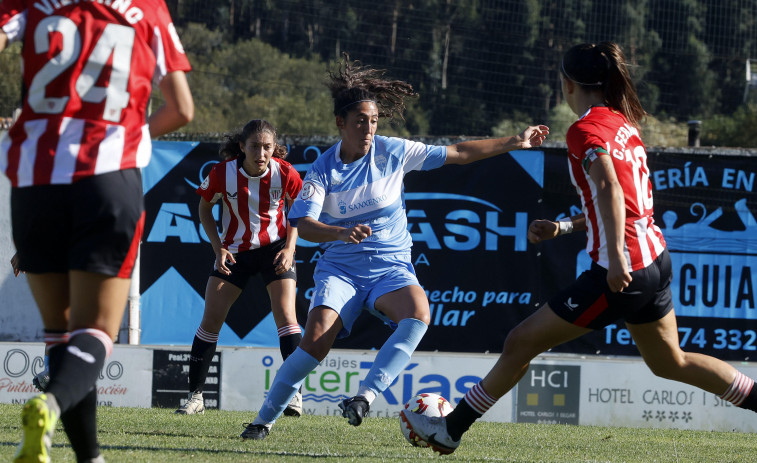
(557, 388)
(249, 372)
(125, 381)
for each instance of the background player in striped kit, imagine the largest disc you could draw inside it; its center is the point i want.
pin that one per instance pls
(256, 187)
(631, 270)
(73, 160)
(352, 203)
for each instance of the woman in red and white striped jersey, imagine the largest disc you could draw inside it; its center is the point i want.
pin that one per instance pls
(73, 159)
(631, 272)
(256, 186)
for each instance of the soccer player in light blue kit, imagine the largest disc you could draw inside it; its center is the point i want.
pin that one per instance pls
(352, 203)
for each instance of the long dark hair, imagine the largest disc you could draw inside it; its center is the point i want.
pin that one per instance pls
(604, 66)
(352, 83)
(230, 145)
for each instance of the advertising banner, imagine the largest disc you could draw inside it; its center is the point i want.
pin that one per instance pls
(125, 380)
(248, 375)
(557, 388)
(471, 253)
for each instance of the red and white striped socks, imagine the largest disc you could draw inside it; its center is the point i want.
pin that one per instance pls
(479, 400)
(739, 389)
(286, 330)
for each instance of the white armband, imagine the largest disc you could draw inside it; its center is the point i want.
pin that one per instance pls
(565, 226)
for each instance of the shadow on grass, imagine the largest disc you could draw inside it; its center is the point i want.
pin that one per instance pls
(190, 450)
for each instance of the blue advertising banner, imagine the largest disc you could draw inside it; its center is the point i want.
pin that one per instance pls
(471, 254)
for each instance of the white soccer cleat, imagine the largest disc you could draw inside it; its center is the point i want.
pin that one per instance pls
(431, 430)
(294, 408)
(195, 405)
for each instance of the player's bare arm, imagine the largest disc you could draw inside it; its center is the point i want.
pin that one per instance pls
(178, 109)
(613, 210)
(205, 211)
(542, 229)
(285, 258)
(476, 150)
(3, 40)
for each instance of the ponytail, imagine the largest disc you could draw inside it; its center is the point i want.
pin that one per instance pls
(603, 66)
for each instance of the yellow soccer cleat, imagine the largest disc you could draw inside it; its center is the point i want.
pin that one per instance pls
(38, 419)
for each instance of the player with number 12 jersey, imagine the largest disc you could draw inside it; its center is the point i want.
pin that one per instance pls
(87, 77)
(604, 131)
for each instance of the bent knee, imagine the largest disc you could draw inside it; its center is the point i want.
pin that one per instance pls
(668, 366)
(517, 339)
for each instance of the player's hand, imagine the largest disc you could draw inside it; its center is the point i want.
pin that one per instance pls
(355, 234)
(541, 230)
(533, 136)
(14, 264)
(618, 277)
(224, 259)
(283, 261)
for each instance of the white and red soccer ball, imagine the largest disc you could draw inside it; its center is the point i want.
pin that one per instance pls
(423, 404)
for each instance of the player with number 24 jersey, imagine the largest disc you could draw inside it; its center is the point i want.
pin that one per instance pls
(87, 76)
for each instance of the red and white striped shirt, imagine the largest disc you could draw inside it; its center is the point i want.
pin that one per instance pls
(261, 219)
(603, 131)
(88, 73)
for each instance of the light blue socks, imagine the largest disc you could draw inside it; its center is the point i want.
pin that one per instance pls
(285, 385)
(393, 357)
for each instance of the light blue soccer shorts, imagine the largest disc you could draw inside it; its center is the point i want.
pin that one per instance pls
(350, 283)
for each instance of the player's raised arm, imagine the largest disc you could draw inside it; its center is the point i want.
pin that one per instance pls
(474, 150)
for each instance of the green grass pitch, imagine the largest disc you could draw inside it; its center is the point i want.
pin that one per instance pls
(134, 435)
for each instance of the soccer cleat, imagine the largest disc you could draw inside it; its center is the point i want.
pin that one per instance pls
(38, 419)
(295, 406)
(255, 431)
(195, 405)
(431, 430)
(42, 380)
(355, 409)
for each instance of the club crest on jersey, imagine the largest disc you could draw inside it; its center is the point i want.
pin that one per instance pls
(205, 183)
(380, 161)
(308, 190)
(342, 207)
(275, 194)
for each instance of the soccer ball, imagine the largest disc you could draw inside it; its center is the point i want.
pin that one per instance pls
(423, 404)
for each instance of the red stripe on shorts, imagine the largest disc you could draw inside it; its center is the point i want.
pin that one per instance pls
(131, 257)
(592, 312)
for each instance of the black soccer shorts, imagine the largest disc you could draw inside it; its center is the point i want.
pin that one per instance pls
(94, 224)
(589, 303)
(254, 261)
